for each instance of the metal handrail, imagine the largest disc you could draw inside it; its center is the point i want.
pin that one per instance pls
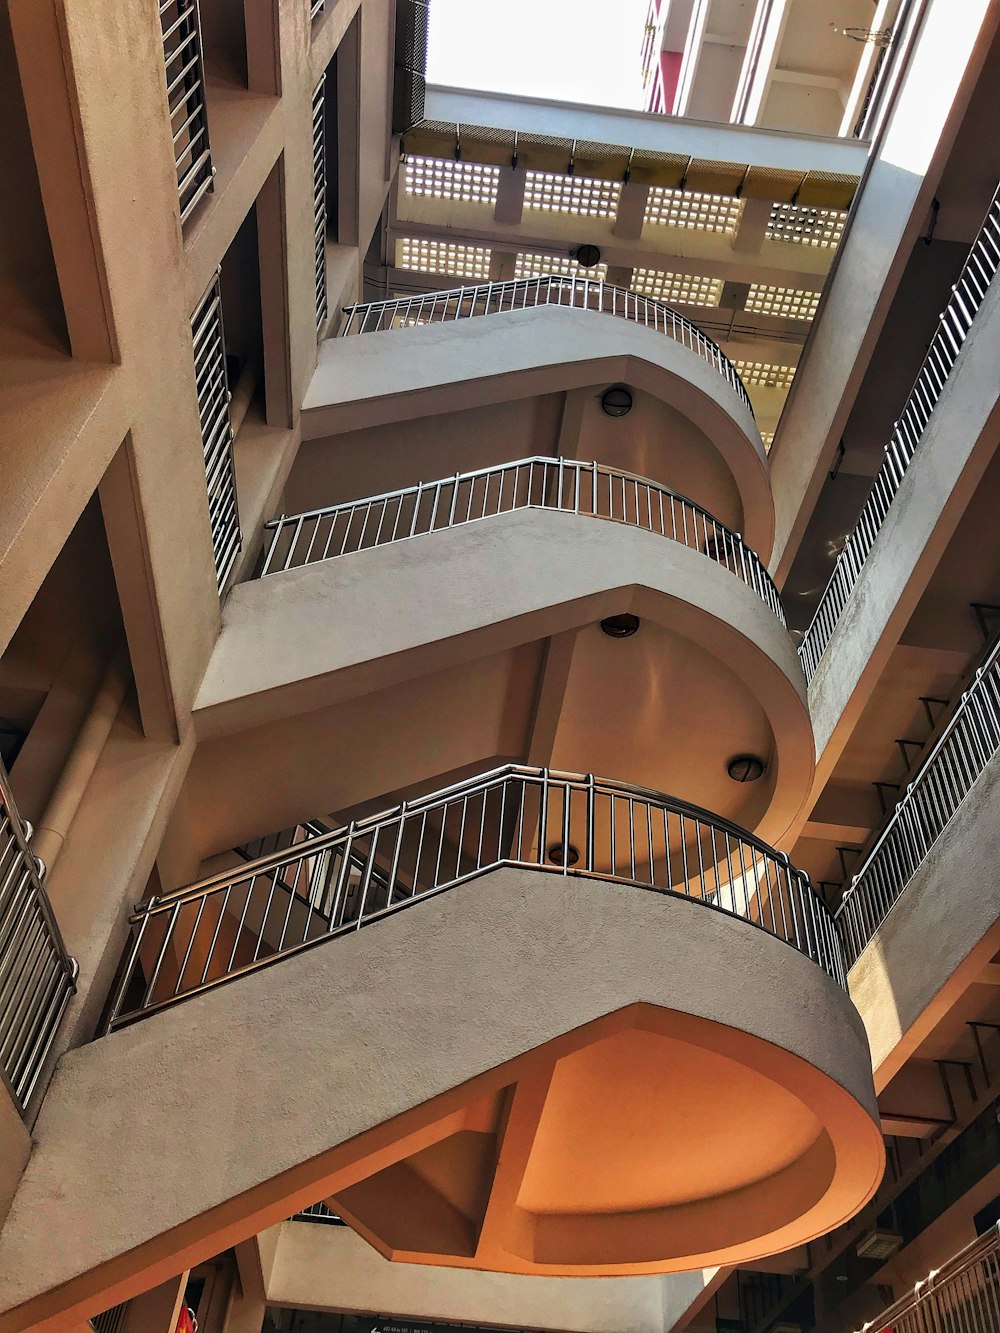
(319, 1212)
(963, 1296)
(590, 489)
(245, 918)
(945, 778)
(37, 975)
(493, 298)
(953, 328)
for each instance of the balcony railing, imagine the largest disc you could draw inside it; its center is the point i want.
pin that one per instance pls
(37, 976)
(185, 69)
(953, 329)
(590, 489)
(247, 917)
(319, 199)
(319, 1212)
(494, 298)
(212, 388)
(964, 748)
(961, 1297)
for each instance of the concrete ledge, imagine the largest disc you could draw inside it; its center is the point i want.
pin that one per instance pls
(379, 378)
(948, 916)
(950, 460)
(417, 607)
(353, 1049)
(331, 1268)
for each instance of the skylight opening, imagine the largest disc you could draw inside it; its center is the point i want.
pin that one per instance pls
(578, 195)
(438, 178)
(458, 261)
(783, 302)
(696, 212)
(678, 288)
(558, 266)
(765, 375)
(805, 226)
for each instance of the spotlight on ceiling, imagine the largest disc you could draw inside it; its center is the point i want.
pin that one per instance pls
(558, 857)
(620, 627)
(588, 256)
(616, 401)
(746, 768)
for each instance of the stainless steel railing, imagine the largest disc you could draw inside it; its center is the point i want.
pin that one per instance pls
(37, 976)
(961, 1297)
(962, 751)
(185, 69)
(493, 298)
(953, 329)
(245, 918)
(590, 489)
(212, 388)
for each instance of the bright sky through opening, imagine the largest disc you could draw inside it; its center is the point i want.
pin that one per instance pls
(569, 50)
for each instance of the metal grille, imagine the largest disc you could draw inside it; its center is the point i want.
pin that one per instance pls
(110, 1321)
(185, 70)
(37, 976)
(319, 1212)
(682, 288)
(493, 298)
(961, 1297)
(963, 750)
(693, 211)
(319, 199)
(805, 226)
(245, 918)
(439, 178)
(448, 258)
(956, 321)
(211, 384)
(530, 264)
(590, 489)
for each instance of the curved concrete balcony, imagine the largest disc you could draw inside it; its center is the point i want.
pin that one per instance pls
(494, 298)
(590, 490)
(480, 383)
(481, 642)
(193, 939)
(678, 1078)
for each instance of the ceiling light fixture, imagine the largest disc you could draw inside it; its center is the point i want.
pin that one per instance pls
(616, 401)
(620, 627)
(588, 256)
(558, 857)
(746, 768)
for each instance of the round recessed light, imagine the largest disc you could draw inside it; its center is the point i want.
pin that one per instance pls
(620, 627)
(746, 768)
(560, 856)
(616, 401)
(588, 256)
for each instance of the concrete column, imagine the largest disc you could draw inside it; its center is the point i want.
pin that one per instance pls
(157, 1310)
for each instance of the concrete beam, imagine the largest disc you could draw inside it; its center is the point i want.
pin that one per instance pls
(640, 130)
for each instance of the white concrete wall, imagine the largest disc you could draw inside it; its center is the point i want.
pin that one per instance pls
(331, 1268)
